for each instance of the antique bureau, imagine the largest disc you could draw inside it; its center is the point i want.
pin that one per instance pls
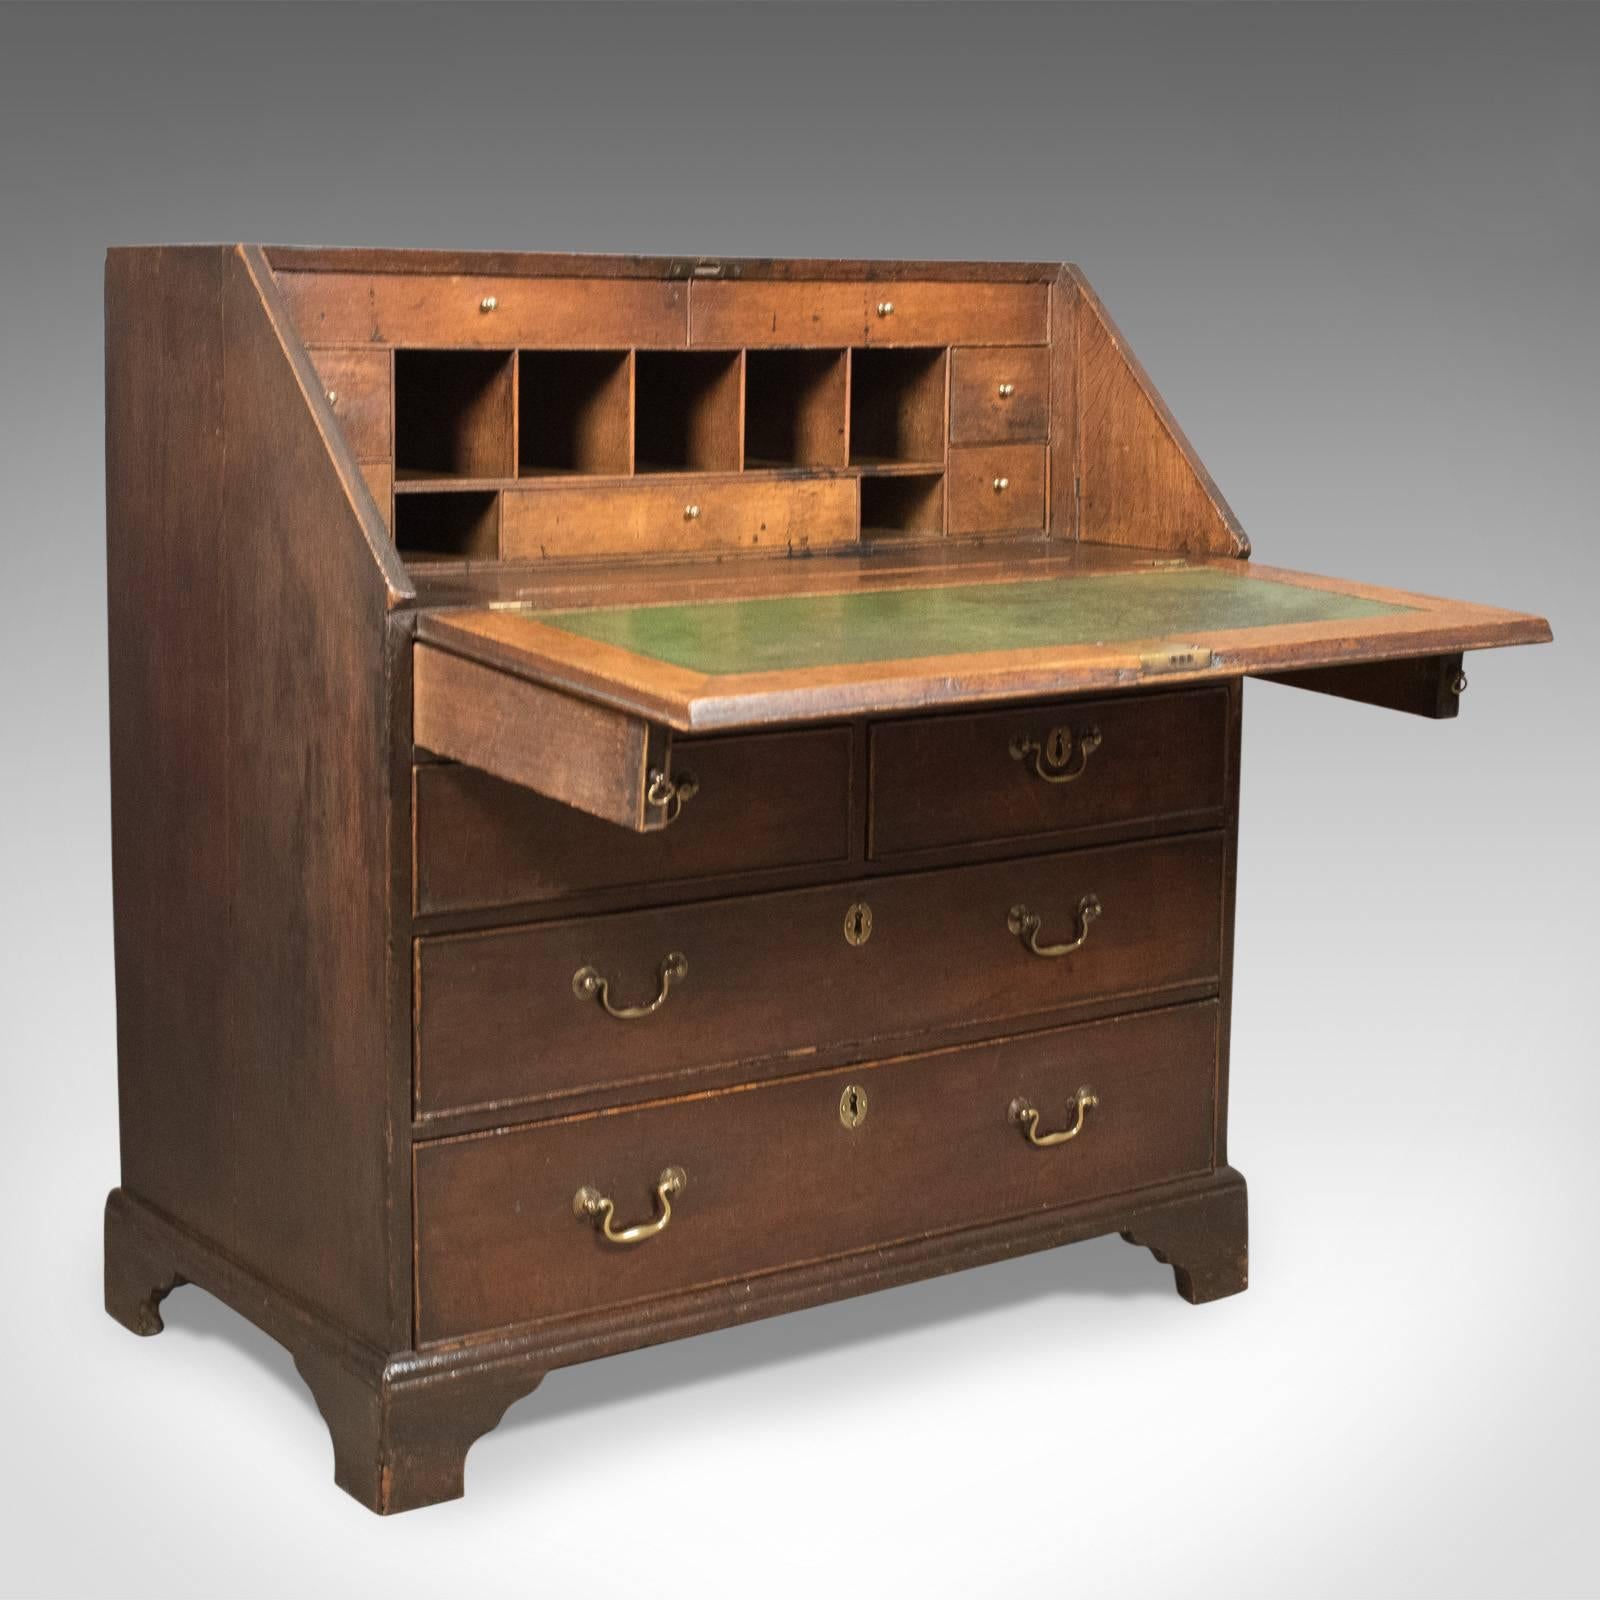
(622, 766)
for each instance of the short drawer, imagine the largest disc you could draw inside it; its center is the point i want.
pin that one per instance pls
(485, 312)
(359, 388)
(999, 396)
(996, 488)
(1043, 770)
(520, 1014)
(687, 513)
(957, 313)
(774, 1175)
(756, 803)
(752, 313)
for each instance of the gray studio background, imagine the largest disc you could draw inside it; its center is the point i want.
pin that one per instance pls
(1357, 249)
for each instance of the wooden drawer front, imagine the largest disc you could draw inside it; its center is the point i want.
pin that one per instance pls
(500, 1018)
(358, 388)
(687, 513)
(773, 1176)
(957, 313)
(768, 314)
(996, 488)
(764, 801)
(999, 396)
(940, 781)
(488, 313)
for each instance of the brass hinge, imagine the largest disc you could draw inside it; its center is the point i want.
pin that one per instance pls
(1175, 658)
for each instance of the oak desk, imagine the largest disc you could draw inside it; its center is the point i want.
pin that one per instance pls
(649, 793)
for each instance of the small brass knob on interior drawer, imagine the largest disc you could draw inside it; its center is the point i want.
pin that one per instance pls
(886, 308)
(690, 512)
(1007, 390)
(1001, 485)
(333, 397)
(488, 303)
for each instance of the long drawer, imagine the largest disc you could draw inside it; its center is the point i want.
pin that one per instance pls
(757, 802)
(520, 1014)
(509, 1223)
(1039, 770)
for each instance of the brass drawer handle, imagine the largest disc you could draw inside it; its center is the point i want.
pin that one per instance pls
(589, 1204)
(1025, 1114)
(886, 308)
(587, 984)
(670, 794)
(1026, 924)
(1007, 390)
(1052, 760)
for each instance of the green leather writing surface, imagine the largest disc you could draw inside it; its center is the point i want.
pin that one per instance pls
(796, 631)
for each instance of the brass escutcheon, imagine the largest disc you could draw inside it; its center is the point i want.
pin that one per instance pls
(853, 1106)
(858, 923)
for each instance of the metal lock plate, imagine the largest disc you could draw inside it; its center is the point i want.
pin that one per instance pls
(858, 923)
(853, 1106)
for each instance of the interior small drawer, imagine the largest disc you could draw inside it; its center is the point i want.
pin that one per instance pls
(359, 385)
(910, 312)
(618, 1003)
(763, 315)
(1048, 770)
(997, 488)
(740, 805)
(510, 1223)
(999, 396)
(681, 512)
(486, 312)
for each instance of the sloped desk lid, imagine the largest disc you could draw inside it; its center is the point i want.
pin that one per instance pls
(835, 640)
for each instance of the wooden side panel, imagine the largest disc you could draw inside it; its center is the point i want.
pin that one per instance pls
(570, 750)
(249, 807)
(1141, 482)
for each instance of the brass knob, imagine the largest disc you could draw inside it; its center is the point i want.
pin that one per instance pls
(488, 303)
(690, 512)
(886, 308)
(1007, 390)
(1001, 485)
(333, 397)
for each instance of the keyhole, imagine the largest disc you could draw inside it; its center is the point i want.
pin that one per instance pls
(1058, 747)
(853, 1106)
(858, 923)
